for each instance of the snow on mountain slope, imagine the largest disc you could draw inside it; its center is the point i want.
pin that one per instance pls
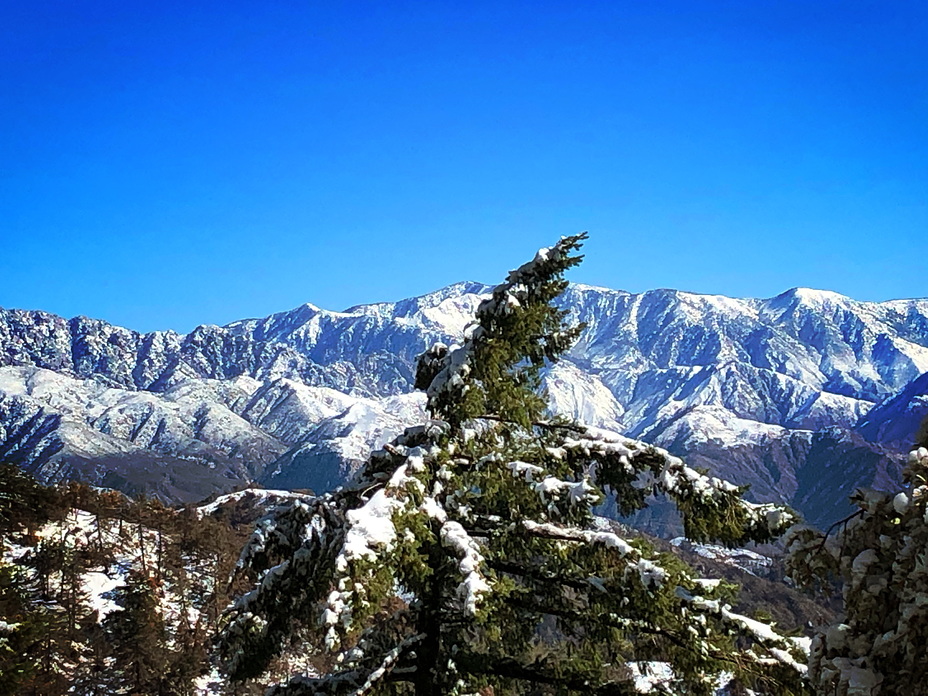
(177, 426)
(380, 341)
(261, 498)
(59, 428)
(83, 348)
(739, 384)
(330, 453)
(287, 409)
(746, 560)
(895, 421)
(783, 351)
(771, 360)
(583, 396)
(233, 393)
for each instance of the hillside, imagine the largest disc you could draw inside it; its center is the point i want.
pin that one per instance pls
(92, 582)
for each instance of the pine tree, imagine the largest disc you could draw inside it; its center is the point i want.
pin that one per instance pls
(138, 639)
(481, 520)
(38, 606)
(879, 557)
(25, 504)
(25, 624)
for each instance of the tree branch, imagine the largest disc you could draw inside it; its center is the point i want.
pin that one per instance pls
(355, 682)
(538, 574)
(506, 667)
(832, 528)
(613, 621)
(540, 424)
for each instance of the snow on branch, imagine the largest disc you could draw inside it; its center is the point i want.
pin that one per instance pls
(353, 682)
(919, 457)
(639, 468)
(370, 535)
(443, 371)
(473, 586)
(877, 555)
(550, 488)
(450, 366)
(780, 648)
(281, 531)
(287, 550)
(586, 536)
(651, 574)
(515, 291)
(388, 663)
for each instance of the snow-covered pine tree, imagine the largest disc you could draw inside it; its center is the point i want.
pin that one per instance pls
(481, 521)
(880, 556)
(27, 620)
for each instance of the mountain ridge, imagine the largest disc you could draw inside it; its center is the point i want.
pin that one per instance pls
(740, 384)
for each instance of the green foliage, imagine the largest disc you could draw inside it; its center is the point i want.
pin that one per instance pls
(29, 622)
(52, 641)
(879, 556)
(517, 333)
(137, 634)
(25, 504)
(25, 622)
(482, 520)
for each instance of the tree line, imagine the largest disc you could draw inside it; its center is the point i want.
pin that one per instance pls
(100, 594)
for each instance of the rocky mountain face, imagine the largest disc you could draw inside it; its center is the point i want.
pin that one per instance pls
(895, 419)
(804, 396)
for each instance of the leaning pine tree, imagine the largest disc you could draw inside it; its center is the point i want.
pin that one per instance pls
(466, 559)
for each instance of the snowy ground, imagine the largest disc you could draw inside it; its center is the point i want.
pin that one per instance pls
(743, 559)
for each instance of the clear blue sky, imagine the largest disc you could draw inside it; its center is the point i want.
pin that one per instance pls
(165, 164)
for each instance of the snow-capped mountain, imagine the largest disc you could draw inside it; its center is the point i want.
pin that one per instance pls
(758, 390)
(173, 443)
(894, 420)
(197, 437)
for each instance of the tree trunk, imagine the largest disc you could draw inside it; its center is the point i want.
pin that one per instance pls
(428, 623)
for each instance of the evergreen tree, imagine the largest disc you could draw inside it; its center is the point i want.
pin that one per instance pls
(879, 557)
(36, 633)
(25, 504)
(56, 565)
(25, 623)
(52, 640)
(481, 521)
(138, 637)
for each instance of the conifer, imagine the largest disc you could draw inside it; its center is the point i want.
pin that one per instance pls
(25, 623)
(878, 556)
(481, 521)
(138, 638)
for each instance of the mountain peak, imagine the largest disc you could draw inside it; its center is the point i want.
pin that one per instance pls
(812, 297)
(411, 305)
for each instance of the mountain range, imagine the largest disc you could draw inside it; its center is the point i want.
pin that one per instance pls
(803, 396)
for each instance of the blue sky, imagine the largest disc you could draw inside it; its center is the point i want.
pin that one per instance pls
(168, 164)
